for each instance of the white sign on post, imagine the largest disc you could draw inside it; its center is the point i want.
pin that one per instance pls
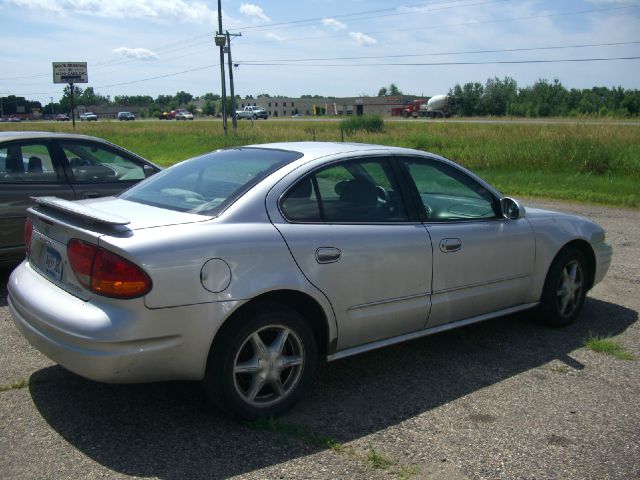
(70, 72)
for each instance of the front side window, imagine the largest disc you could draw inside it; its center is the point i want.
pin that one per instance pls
(96, 164)
(26, 163)
(208, 184)
(449, 194)
(357, 191)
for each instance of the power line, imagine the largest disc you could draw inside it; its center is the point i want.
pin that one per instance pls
(434, 64)
(461, 24)
(173, 74)
(405, 9)
(467, 52)
(203, 39)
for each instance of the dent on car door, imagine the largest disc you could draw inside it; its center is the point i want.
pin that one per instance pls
(27, 169)
(348, 229)
(482, 262)
(95, 170)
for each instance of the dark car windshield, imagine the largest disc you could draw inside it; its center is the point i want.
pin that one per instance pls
(208, 184)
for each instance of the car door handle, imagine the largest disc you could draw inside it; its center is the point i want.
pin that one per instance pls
(328, 254)
(449, 245)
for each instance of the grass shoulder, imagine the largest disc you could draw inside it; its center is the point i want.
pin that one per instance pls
(605, 345)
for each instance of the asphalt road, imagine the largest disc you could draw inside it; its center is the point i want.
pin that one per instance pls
(505, 399)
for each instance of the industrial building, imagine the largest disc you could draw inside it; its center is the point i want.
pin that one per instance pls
(329, 106)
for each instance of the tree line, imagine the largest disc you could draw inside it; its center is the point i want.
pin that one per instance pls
(495, 97)
(544, 99)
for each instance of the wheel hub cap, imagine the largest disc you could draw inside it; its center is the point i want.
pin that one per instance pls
(570, 289)
(268, 365)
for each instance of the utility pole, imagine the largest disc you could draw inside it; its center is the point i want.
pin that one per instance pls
(220, 41)
(53, 114)
(234, 120)
(73, 113)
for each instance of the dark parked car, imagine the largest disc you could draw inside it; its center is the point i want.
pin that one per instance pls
(126, 116)
(62, 117)
(34, 164)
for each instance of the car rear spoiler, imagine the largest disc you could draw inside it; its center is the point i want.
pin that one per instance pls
(87, 213)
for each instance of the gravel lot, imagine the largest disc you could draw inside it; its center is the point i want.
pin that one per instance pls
(504, 399)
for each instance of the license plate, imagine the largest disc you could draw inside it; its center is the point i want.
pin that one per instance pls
(53, 264)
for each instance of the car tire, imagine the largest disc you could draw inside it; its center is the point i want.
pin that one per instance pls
(565, 289)
(262, 363)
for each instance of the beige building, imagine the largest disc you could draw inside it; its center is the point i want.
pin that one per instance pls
(288, 107)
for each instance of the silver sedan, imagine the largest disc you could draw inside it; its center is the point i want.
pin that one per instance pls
(245, 267)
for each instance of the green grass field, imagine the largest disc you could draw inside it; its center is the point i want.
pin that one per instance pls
(578, 162)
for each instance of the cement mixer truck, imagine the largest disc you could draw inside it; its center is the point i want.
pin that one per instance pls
(440, 106)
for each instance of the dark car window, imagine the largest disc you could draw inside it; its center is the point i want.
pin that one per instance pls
(96, 164)
(449, 194)
(208, 184)
(360, 191)
(26, 163)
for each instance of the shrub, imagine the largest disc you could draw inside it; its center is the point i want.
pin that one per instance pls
(368, 123)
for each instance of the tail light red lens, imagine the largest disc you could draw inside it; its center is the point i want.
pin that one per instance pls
(81, 255)
(28, 232)
(106, 273)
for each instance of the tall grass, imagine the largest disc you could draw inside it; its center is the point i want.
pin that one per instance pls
(365, 123)
(593, 163)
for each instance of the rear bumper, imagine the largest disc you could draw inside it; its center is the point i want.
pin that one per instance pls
(115, 341)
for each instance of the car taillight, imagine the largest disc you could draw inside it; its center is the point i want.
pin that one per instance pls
(81, 255)
(106, 273)
(28, 232)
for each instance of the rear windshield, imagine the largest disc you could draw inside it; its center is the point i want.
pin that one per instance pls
(208, 184)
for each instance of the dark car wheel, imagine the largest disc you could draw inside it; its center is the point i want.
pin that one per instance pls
(564, 290)
(262, 363)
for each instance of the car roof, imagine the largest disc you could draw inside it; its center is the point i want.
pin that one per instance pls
(22, 135)
(321, 149)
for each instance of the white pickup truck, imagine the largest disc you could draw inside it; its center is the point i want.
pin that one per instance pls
(252, 113)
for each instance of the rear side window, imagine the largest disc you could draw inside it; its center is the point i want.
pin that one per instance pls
(26, 163)
(208, 184)
(95, 164)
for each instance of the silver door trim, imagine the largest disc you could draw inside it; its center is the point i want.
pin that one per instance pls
(390, 300)
(472, 285)
(427, 331)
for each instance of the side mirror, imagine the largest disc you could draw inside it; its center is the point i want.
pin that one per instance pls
(511, 209)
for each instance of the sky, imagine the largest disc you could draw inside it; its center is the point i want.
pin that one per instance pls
(336, 48)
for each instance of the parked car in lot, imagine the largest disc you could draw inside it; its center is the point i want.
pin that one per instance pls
(183, 115)
(62, 117)
(126, 116)
(88, 117)
(251, 112)
(243, 268)
(65, 165)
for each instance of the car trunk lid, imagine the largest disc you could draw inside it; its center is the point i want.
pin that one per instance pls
(56, 221)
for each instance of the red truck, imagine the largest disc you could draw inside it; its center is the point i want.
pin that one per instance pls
(416, 108)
